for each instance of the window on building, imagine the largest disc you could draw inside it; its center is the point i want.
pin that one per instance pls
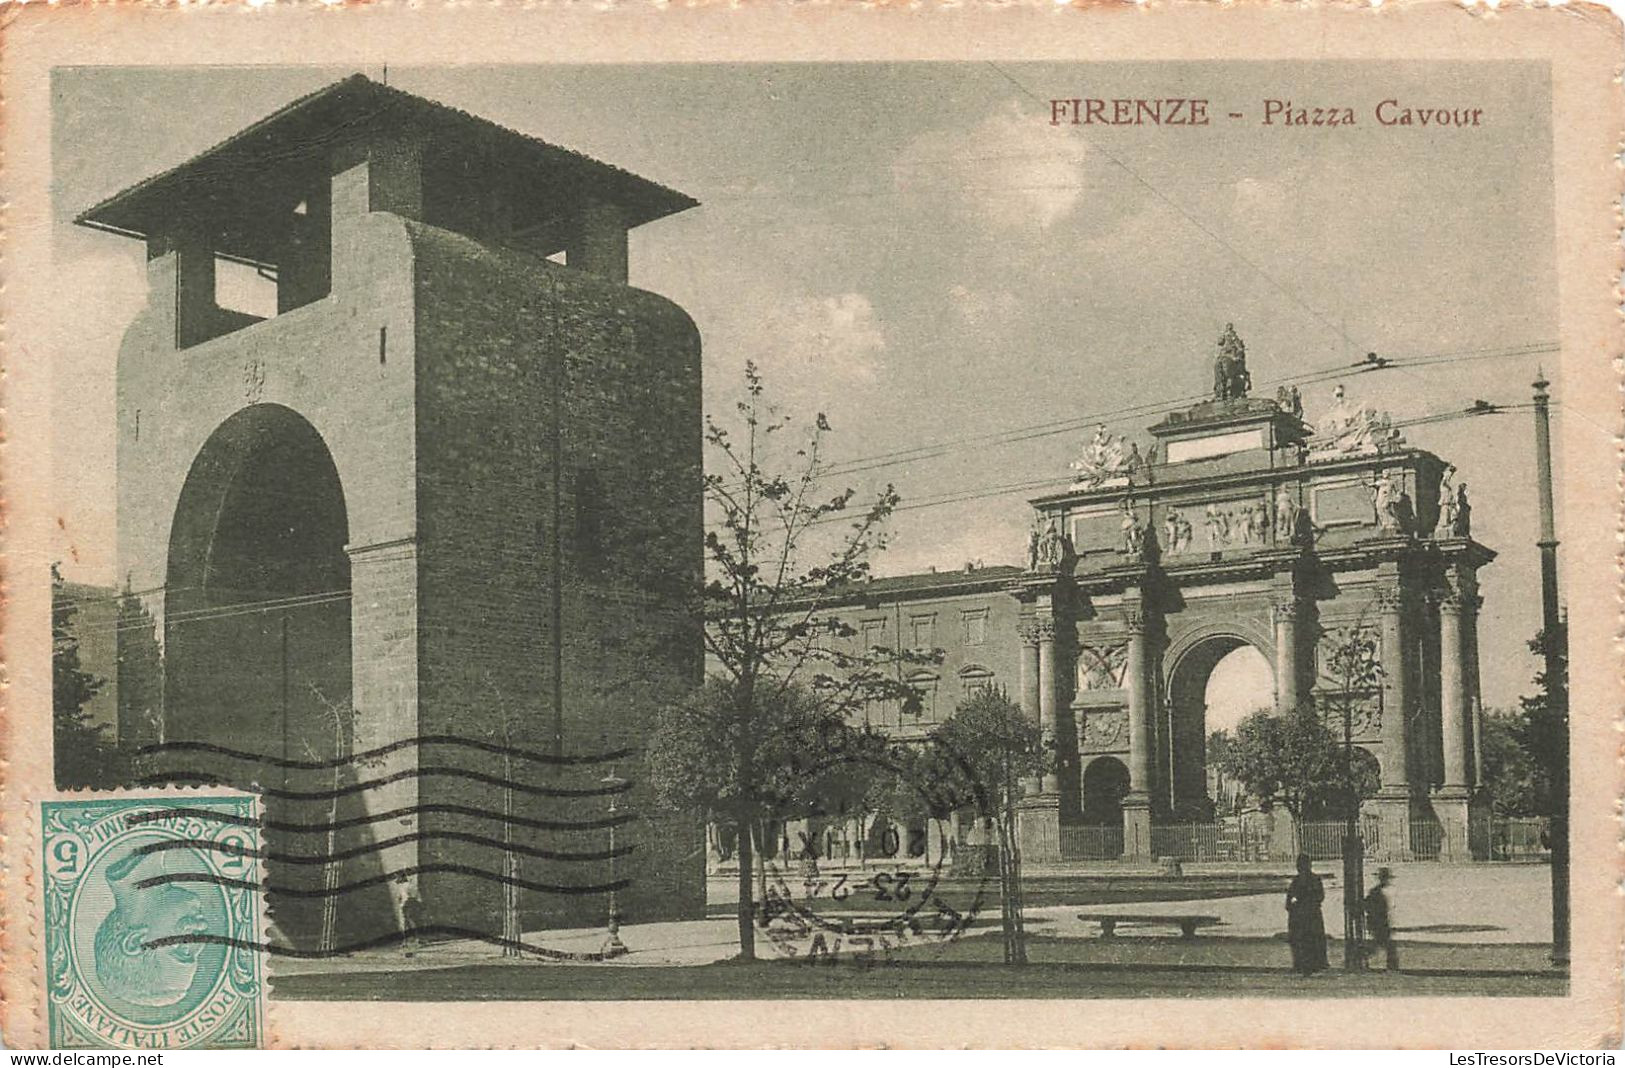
(874, 633)
(974, 622)
(972, 678)
(924, 685)
(922, 632)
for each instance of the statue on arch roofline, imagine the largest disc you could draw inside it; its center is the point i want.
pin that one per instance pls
(1107, 457)
(1231, 380)
(1352, 430)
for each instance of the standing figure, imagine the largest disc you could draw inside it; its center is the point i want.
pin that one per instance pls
(1386, 492)
(1032, 549)
(1170, 527)
(1305, 927)
(1050, 547)
(1446, 526)
(1133, 533)
(1286, 515)
(1464, 514)
(1215, 530)
(1187, 534)
(1379, 920)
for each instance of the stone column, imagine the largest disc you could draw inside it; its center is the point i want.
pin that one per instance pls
(1137, 805)
(1475, 706)
(1450, 803)
(1453, 695)
(1394, 799)
(1288, 671)
(196, 315)
(599, 244)
(1040, 810)
(1045, 627)
(1029, 687)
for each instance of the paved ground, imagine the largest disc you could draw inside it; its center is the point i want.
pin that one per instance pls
(1463, 929)
(886, 979)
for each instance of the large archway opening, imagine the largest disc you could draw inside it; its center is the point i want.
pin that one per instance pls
(257, 620)
(1214, 686)
(257, 604)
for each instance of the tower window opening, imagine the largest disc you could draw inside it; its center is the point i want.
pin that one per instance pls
(245, 289)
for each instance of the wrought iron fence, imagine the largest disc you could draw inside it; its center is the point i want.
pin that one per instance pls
(1514, 839)
(1090, 841)
(1242, 841)
(1209, 842)
(1429, 842)
(1323, 839)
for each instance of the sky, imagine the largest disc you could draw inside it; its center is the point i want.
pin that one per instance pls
(915, 250)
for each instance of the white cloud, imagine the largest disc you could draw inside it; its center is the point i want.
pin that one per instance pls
(835, 339)
(1013, 169)
(981, 309)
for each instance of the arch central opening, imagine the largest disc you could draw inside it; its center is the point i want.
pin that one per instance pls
(257, 616)
(1214, 687)
(257, 622)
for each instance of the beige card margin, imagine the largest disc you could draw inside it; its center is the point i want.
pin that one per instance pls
(1583, 44)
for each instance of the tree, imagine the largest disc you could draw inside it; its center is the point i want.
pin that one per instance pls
(1293, 760)
(84, 755)
(780, 551)
(1544, 731)
(1511, 777)
(981, 755)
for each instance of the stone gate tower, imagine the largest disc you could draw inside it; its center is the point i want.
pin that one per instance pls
(442, 485)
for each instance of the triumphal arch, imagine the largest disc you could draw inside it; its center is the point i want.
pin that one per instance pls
(1245, 524)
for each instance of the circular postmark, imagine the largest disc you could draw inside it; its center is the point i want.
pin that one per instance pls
(871, 868)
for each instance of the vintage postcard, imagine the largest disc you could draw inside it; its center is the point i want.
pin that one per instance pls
(964, 526)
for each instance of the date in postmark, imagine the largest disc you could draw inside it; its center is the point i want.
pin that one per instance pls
(910, 894)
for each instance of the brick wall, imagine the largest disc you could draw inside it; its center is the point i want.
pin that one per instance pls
(558, 488)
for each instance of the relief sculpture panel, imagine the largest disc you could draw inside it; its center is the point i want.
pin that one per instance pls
(1103, 730)
(1102, 667)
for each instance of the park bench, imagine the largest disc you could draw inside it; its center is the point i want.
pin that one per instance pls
(1187, 924)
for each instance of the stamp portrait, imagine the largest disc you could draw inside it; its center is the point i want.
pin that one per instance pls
(152, 911)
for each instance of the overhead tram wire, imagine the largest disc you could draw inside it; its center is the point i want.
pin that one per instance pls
(1061, 484)
(287, 604)
(933, 450)
(1058, 426)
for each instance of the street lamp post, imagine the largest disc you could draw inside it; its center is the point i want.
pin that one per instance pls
(1555, 690)
(613, 946)
(1353, 855)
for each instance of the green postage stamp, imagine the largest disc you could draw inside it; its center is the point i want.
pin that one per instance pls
(152, 925)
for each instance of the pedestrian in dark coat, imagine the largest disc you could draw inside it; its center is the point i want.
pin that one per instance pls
(1379, 920)
(1305, 928)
